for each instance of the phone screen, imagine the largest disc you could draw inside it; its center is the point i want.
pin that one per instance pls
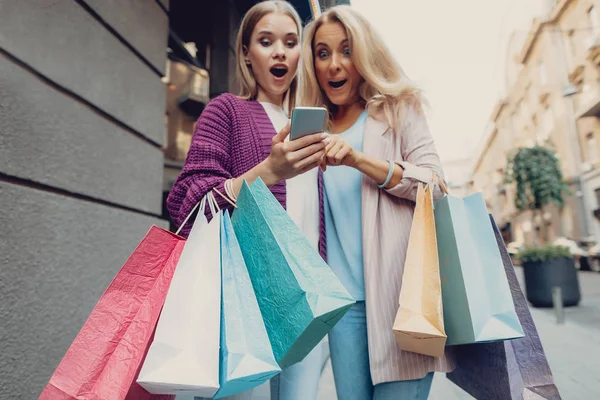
(306, 121)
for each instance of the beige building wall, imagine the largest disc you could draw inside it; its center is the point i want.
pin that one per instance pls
(561, 53)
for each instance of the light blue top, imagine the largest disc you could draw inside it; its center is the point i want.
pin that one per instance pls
(342, 204)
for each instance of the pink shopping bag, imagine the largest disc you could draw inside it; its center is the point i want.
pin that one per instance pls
(104, 360)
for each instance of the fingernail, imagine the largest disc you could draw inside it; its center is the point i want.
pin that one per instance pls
(327, 140)
(324, 135)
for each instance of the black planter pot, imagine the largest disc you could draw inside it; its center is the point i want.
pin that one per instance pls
(541, 277)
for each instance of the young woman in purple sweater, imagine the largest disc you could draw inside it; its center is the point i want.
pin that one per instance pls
(243, 137)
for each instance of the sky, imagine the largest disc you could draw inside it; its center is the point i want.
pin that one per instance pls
(456, 51)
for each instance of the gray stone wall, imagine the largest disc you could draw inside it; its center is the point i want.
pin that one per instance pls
(81, 167)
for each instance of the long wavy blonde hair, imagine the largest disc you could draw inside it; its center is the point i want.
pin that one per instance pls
(385, 90)
(244, 75)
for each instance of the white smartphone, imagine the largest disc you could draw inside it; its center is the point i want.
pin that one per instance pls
(306, 121)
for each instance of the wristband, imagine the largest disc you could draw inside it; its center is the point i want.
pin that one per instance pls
(389, 175)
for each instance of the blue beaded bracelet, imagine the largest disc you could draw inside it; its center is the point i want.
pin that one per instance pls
(389, 175)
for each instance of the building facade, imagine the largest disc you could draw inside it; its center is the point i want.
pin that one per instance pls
(553, 100)
(81, 136)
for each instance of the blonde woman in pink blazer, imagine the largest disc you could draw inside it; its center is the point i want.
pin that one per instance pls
(380, 149)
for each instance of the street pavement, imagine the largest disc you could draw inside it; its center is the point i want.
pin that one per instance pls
(572, 349)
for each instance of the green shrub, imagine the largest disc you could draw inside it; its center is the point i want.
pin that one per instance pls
(544, 253)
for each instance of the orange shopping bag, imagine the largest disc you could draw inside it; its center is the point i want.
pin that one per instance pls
(419, 324)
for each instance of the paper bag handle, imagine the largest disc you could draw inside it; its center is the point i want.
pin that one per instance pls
(212, 204)
(427, 176)
(440, 182)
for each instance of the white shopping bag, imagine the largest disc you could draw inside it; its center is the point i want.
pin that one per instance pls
(184, 356)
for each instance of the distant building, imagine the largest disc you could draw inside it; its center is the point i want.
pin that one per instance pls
(554, 100)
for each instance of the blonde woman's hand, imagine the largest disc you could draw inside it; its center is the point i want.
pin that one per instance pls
(339, 152)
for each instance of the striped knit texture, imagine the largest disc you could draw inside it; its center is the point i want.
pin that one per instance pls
(231, 137)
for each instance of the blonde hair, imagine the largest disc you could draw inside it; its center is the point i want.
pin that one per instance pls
(386, 88)
(245, 77)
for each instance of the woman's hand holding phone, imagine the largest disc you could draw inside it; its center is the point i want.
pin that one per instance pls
(287, 159)
(291, 158)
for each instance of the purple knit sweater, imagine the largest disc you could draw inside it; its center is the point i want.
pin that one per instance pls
(231, 137)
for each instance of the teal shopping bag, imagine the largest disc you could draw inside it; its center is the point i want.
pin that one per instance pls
(478, 305)
(246, 356)
(299, 296)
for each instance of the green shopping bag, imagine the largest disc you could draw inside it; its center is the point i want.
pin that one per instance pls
(299, 296)
(478, 305)
(247, 359)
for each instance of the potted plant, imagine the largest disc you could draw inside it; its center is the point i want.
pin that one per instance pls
(539, 181)
(547, 267)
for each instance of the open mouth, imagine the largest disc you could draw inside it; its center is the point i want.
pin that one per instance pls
(338, 84)
(279, 72)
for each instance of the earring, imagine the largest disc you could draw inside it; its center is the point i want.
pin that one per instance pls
(247, 61)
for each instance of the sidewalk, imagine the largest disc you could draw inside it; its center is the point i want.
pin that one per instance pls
(572, 349)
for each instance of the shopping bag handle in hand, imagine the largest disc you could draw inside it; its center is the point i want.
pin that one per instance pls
(435, 178)
(212, 204)
(230, 198)
(427, 176)
(440, 182)
(228, 186)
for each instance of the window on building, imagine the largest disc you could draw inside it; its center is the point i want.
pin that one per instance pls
(535, 128)
(592, 150)
(513, 124)
(506, 133)
(597, 194)
(593, 21)
(523, 109)
(542, 72)
(547, 123)
(570, 48)
(534, 97)
(579, 86)
(499, 176)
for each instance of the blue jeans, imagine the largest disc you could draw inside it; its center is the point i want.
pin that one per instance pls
(300, 381)
(350, 362)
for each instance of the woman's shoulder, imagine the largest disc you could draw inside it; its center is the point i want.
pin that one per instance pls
(398, 114)
(226, 106)
(225, 100)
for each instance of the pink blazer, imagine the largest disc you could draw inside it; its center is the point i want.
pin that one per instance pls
(386, 221)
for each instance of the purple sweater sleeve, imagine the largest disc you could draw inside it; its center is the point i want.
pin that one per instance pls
(207, 164)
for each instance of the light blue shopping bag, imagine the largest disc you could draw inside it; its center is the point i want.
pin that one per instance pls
(246, 356)
(478, 305)
(299, 296)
